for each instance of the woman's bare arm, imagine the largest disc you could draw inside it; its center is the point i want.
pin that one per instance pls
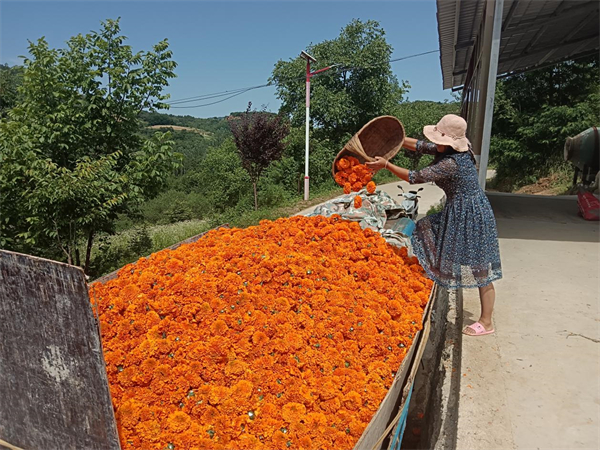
(381, 163)
(410, 144)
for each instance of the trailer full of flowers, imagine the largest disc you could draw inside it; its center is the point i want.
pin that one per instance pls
(283, 335)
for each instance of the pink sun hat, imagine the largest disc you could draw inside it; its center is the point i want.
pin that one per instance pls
(450, 130)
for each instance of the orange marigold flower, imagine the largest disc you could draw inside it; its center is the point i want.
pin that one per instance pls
(219, 327)
(314, 420)
(149, 430)
(353, 161)
(279, 440)
(340, 178)
(357, 202)
(293, 412)
(371, 187)
(218, 394)
(352, 400)
(306, 443)
(179, 421)
(343, 163)
(174, 265)
(243, 389)
(235, 367)
(128, 414)
(347, 188)
(260, 338)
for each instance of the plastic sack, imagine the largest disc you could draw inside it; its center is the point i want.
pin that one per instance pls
(589, 206)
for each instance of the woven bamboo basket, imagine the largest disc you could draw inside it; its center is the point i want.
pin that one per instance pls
(383, 136)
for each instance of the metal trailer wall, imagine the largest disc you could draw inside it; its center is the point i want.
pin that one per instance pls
(54, 391)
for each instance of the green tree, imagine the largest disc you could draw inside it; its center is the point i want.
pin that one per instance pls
(534, 112)
(10, 80)
(72, 156)
(344, 98)
(223, 180)
(259, 138)
(415, 115)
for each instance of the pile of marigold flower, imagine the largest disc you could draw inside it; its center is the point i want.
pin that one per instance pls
(283, 335)
(353, 176)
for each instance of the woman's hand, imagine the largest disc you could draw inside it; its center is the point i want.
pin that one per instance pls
(382, 163)
(378, 164)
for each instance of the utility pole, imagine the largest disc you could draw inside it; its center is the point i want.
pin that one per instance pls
(309, 74)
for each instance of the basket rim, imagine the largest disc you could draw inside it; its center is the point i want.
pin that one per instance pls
(344, 150)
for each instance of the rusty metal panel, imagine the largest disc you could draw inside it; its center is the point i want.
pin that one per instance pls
(53, 385)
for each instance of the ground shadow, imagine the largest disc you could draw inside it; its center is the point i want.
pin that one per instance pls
(536, 217)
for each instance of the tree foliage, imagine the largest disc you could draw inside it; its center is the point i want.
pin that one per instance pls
(259, 138)
(72, 157)
(414, 116)
(534, 112)
(10, 80)
(348, 96)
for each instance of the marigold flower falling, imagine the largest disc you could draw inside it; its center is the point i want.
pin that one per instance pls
(282, 335)
(351, 172)
(371, 187)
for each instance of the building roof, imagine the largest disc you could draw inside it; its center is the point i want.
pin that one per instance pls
(535, 33)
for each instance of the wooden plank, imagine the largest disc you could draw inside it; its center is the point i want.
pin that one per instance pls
(53, 382)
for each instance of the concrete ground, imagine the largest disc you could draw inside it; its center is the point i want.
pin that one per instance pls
(535, 383)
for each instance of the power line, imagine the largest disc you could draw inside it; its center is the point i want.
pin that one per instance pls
(414, 56)
(215, 95)
(235, 92)
(402, 58)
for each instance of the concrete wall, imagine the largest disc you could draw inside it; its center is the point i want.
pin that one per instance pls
(433, 412)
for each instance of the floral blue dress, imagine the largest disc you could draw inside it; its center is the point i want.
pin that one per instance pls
(457, 247)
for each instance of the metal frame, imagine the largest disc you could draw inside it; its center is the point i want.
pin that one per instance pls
(533, 32)
(477, 103)
(491, 48)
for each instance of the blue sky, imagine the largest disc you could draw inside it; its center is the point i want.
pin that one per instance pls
(227, 45)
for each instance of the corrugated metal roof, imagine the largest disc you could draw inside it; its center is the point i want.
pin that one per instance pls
(534, 32)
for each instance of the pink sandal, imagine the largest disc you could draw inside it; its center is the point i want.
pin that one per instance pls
(478, 329)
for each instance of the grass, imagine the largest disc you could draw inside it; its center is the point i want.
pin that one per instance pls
(434, 209)
(162, 236)
(180, 128)
(555, 179)
(166, 235)
(249, 218)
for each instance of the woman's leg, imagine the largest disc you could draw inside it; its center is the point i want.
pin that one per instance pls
(487, 297)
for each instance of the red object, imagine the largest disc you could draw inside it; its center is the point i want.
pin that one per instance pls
(589, 206)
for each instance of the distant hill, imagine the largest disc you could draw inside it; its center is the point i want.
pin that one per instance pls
(211, 126)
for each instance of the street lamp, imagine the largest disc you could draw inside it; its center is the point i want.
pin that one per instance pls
(309, 74)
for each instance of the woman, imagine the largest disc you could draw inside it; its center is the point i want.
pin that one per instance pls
(457, 247)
